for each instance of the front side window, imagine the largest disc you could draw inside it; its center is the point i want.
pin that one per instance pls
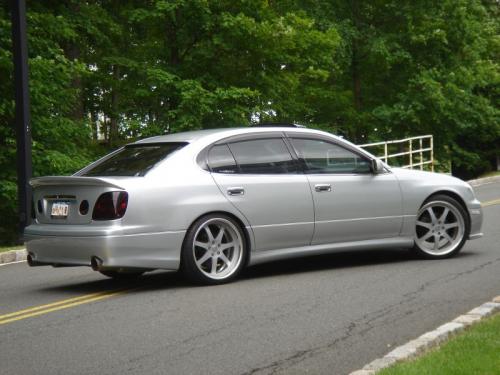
(322, 156)
(263, 156)
(133, 160)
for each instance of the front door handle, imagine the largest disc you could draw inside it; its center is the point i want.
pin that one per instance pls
(236, 191)
(322, 187)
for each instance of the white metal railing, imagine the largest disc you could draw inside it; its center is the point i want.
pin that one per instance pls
(409, 150)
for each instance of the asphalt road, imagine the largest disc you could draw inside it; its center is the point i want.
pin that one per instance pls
(322, 315)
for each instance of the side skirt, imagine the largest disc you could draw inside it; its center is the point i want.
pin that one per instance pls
(296, 252)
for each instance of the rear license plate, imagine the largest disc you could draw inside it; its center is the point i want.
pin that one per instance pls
(59, 209)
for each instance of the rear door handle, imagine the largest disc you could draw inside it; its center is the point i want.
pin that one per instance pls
(236, 191)
(322, 187)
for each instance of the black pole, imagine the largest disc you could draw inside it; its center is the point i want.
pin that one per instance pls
(23, 131)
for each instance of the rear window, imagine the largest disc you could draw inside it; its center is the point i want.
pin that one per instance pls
(134, 160)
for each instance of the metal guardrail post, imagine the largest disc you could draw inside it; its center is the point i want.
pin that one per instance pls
(385, 152)
(411, 153)
(432, 153)
(421, 155)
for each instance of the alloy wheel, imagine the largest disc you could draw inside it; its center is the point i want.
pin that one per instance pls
(440, 228)
(217, 248)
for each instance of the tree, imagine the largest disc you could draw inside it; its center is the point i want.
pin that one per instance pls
(60, 144)
(104, 73)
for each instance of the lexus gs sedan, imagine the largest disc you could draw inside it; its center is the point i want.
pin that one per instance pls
(211, 202)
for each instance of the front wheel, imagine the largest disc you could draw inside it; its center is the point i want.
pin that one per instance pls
(214, 251)
(442, 227)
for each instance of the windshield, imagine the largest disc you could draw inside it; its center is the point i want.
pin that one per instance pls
(134, 160)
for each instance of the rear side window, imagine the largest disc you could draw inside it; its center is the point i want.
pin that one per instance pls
(134, 160)
(263, 156)
(220, 160)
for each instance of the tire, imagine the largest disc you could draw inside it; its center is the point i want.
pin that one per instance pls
(122, 275)
(214, 250)
(441, 228)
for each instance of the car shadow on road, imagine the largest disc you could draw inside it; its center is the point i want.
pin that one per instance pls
(337, 261)
(329, 262)
(149, 281)
(165, 280)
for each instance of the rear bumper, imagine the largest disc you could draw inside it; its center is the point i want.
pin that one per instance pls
(144, 250)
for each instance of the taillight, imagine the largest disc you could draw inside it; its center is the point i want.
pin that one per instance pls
(111, 205)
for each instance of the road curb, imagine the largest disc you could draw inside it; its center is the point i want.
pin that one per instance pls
(13, 256)
(484, 180)
(431, 339)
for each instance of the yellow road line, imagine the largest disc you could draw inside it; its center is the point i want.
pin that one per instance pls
(61, 302)
(490, 203)
(60, 305)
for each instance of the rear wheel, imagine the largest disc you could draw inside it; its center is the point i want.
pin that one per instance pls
(442, 227)
(214, 251)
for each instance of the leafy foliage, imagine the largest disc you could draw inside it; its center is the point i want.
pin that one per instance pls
(103, 73)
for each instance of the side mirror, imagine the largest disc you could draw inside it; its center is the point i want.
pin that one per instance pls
(377, 166)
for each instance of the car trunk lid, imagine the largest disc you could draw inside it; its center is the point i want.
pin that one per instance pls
(66, 200)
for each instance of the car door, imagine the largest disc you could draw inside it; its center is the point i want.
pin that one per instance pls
(261, 179)
(350, 202)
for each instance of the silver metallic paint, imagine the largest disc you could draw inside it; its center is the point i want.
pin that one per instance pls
(358, 207)
(278, 213)
(288, 201)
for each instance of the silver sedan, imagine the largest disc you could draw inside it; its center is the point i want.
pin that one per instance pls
(211, 202)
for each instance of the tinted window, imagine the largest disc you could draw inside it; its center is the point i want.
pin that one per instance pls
(325, 157)
(263, 156)
(133, 160)
(221, 160)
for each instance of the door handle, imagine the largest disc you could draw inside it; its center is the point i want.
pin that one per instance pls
(236, 191)
(322, 187)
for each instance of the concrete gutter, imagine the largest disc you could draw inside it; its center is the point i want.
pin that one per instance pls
(485, 180)
(431, 339)
(12, 256)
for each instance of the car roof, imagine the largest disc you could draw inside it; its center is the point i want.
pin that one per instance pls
(199, 139)
(195, 135)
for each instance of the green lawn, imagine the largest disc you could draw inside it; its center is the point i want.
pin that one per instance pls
(8, 248)
(475, 351)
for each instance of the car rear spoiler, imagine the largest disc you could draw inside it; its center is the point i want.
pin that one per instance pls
(73, 181)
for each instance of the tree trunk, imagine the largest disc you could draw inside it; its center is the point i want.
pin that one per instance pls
(172, 42)
(113, 124)
(94, 124)
(356, 79)
(72, 52)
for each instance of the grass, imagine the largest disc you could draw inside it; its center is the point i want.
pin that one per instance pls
(475, 351)
(9, 248)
